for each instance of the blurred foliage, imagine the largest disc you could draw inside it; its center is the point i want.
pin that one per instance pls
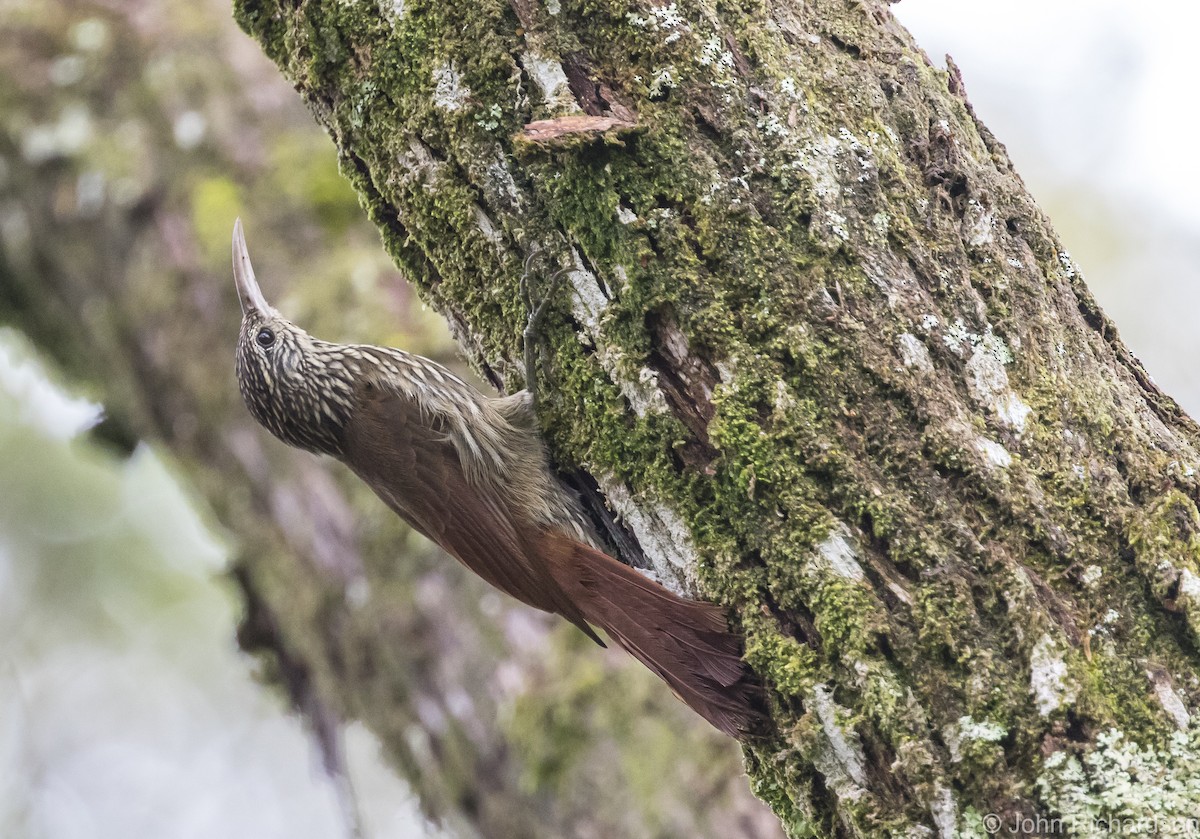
(131, 135)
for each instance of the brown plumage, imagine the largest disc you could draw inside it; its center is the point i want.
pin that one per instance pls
(472, 474)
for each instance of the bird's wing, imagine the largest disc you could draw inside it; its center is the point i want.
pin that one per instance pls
(409, 462)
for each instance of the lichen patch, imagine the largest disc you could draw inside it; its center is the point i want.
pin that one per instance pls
(992, 452)
(551, 82)
(449, 92)
(1049, 679)
(838, 555)
(661, 533)
(842, 762)
(1169, 698)
(944, 811)
(588, 300)
(913, 353)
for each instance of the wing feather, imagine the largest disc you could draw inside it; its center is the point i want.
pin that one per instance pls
(411, 464)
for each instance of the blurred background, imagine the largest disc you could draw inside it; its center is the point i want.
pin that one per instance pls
(131, 134)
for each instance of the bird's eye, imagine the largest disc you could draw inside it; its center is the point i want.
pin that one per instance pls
(265, 337)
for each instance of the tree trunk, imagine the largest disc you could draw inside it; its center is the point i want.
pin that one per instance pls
(828, 361)
(114, 258)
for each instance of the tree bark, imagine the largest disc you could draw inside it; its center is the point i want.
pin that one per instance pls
(114, 259)
(831, 365)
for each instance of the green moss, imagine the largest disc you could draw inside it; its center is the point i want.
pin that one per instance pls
(788, 666)
(946, 620)
(776, 783)
(1168, 531)
(1165, 538)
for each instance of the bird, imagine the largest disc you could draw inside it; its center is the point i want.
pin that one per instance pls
(472, 474)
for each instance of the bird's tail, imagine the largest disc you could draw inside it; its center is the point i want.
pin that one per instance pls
(686, 642)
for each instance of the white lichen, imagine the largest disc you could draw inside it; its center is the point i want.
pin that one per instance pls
(393, 10)
(944, 811)
(1143, 789)
(642, 393)
(978, 224)
(1012, 412)
(819, 160)
(551, 82)
(839, 555)
(489, 118)
(772, 126)
(1189, 586)
(1049, 679)
(449, 93)
(841, 762)
(987, 379)
(664, 539)
(913, 352)
(663, 79)
(863, 157)
(588, 300)
(718, 60)
(667, 17)
(1064, 259)
(986, 730)
(836, 222)
(664, 19)
(994, 453)
(968, 729)
(958, 336)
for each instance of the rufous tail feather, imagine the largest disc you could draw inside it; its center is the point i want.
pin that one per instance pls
(686, 642)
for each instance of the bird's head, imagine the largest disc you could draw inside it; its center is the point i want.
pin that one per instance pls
(300, 389)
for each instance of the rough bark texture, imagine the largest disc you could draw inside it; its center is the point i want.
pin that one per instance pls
(831, 364)
(114, 258)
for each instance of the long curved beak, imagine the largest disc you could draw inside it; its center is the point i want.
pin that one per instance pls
(249, 294)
